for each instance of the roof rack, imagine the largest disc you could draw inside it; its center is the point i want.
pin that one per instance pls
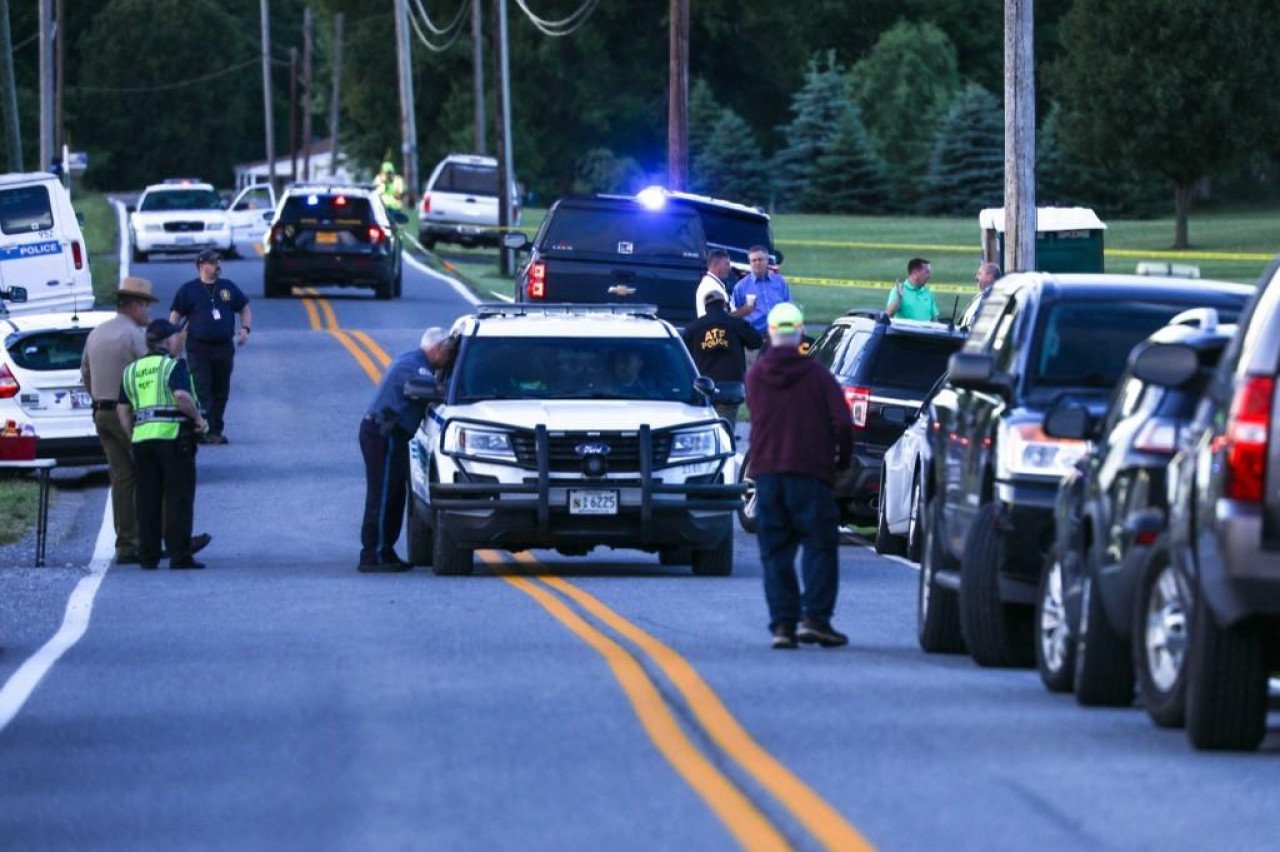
(1205, 319)
(866, 313)
(487, 310)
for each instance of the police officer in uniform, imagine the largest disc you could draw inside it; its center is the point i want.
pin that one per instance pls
(158, 410)
(210, 305)
(384, 442)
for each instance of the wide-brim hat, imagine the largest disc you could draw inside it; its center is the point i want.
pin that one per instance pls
(137, 288)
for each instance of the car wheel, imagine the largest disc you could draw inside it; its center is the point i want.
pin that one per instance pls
(447, 558)
(232, 251)
(1055, 646)
(1160, 639)
(420, 538)
(1226, 683)
(747, 511)
(139, 256)
(272, 289)
(997, 634)
(938, 609)
(675, 556)
(399, 288)
(886, 542)
(915, 523)
(1104, 661)
(716, 562)
(384, 290)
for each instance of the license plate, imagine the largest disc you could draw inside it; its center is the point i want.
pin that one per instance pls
(185, 241)
(326, 237)
(593, 502)
(81, 399)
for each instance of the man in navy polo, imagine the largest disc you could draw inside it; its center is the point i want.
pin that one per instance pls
(210, 305)
(762, 289)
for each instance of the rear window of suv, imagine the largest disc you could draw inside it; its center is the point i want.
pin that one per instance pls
(466, 179)
(624, 233)
(49, 350)
(328, 209)
(25, 209)
(735, 233)
(913, 362)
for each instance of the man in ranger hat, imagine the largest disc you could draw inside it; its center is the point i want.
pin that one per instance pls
(110, 348)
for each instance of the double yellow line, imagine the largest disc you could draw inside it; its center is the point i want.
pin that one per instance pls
(734, 807)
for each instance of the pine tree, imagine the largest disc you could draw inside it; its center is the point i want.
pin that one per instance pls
(850, 177)
(816, 110)
(704, 114)
(731, 165)
(966, 172)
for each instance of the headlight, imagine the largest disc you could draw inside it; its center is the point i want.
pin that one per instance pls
(695, 444)
(216, 226)
(471, 441)
(153, 229)
(1026, 449)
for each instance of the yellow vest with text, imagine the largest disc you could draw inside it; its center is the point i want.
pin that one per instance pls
(155, 410)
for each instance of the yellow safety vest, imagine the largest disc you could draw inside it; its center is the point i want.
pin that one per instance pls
(155, 410)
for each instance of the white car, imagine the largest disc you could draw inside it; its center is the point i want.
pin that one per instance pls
(460, 202)
(904, 490)
(571, 427)
(42, 249)
(183, 215)
(40, 382)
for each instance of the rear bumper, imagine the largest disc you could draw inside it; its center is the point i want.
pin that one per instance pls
(335, 269)
(198, 241)
(1238, 576)
(71, 451)
(457, 233)
(857, 488)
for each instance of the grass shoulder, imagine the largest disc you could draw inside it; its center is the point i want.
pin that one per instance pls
(18, 506)
(101, 236)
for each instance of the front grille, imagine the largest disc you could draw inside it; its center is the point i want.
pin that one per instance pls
(183, 227)
(623, 455)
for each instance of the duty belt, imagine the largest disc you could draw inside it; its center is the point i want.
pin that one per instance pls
(163, 415)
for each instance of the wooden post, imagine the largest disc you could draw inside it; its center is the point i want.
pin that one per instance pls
(336, 98)
(408, 118)
(268, 120)
(45, 43)
(12, 132)
(678, 98)
(293, 115)
(307, 99)
(506, 259)
(477, 72)
(59, 78)
(1019, 136)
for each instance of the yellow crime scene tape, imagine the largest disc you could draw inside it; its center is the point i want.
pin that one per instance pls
(1165, 254)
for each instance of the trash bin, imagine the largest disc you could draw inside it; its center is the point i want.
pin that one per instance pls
(1068, 239)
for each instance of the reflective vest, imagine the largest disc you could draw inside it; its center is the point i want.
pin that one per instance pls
(391, 191)
(155, 411)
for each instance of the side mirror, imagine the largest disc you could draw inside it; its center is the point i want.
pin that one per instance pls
(17, 295)
(266, 217)
(224, 204)
(131, 208)
(1069, 420)
(705, 385)
(976, 371)
(424, 390)
(515, 240)
(398, 217)
(1168, 365)
(729, 393)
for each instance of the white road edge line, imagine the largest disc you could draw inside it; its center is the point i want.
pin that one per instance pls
(453, 282)
(902, 560)
(23, 682)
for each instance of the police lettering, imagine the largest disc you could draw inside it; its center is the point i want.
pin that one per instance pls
(714, 339)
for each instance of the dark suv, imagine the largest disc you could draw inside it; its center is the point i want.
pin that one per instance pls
(1110, 510)
(333, 235)
(886, 369)
(994, 471)
(650, 249)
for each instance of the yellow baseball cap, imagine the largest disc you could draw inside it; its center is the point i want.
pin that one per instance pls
(785, 318)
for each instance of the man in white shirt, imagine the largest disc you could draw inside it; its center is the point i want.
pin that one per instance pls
(718, 272)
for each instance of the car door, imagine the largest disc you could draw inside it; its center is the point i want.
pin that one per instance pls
(250, 211)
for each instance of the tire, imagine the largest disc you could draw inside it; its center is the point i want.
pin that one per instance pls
(447, 558)
(747, 511)
(272, 289)
(233, 252)
(139, 256)
(675, 556)
(1226, 683)
(421, 544)
(915, 525)
(997, 634)
(886, 542)
(1161, 639)
(428, 243)
(1104, 660)
(384, 291)
(399, 285)
(1055, 640)
(937, 609)
(716, 562)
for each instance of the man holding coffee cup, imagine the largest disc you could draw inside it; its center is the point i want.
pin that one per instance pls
(761, 288)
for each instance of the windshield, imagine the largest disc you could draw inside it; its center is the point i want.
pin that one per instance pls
(574, 368)
(181, 199)
(466, 179)
(622, 232)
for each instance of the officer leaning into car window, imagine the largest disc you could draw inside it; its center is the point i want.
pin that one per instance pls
(384, 442)
(210, 304)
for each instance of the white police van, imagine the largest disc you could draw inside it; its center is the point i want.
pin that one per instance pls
(571, 427)
(42, 249)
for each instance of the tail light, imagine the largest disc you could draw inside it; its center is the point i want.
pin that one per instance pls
(9, 386)
(859, 401)
(1157, 436)
(376, 234)
(426, 203)
(537, 287)
(77, 254)
(1245, 440)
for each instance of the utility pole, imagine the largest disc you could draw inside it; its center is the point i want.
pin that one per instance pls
(59, 76)
(477, 63)
(503, 86)
(678, 98)
(306, 93)
(408, 120)
(46, 83)
(293, 115)
(12, 132)
(266, 94)
(336, 98)
(1019, 136)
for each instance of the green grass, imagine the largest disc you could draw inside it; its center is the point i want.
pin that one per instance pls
(1251, 231)
(101, 230)
(18, 503)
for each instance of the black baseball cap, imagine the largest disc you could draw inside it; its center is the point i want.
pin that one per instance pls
(161, 329)
(208, 256)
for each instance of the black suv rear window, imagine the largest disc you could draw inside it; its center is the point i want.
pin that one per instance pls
(25, 209)
(736, 233)
(1087, 344)
(329, 209)
(914, 362)
(624, 233)
(49, 350)
(466, 179)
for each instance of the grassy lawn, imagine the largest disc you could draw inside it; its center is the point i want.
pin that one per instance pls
(18, 499)
(101, 235)
(952, 245)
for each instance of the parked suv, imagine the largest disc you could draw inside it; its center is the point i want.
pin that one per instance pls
(650, 248)
(460, 202)
(886, 369)
(570, 427)
(1110, 510)
(333, 235)
(995, 471)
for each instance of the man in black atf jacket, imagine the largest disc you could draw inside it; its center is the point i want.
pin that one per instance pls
(718, 342)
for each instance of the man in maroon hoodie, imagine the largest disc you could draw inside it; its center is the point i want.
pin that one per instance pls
(800, 435)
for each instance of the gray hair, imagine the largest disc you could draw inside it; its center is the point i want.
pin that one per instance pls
(992, 269)
(431, 337)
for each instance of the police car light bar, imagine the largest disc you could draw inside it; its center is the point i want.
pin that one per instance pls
(487, 310)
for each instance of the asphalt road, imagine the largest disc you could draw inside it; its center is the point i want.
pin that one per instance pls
(281, 700)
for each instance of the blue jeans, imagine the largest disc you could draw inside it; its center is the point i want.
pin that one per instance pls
(795, 510)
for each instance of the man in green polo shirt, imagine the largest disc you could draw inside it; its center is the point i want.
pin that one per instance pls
(912, 299)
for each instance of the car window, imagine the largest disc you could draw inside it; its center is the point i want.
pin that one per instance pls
(623, 232)
(326, 209)
(825, 349)
(736, 233)
(466, 179)
(25, 209)
(574, 368)
(180, 199)
(983, 325)
(912, 362)
(848, 358)
(49, 350)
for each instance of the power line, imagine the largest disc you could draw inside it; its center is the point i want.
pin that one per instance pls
(564, 26)
(426, 19)
(453, 30)
(167, 86)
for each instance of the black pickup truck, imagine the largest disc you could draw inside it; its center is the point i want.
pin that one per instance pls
(647, 249)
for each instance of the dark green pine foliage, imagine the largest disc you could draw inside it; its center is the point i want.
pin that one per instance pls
(815, 110)
(704, 113)
(966, 171)
(731, 165)
(850, 177)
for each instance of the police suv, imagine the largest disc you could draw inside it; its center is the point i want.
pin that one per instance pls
(568, 427)
(186, 215)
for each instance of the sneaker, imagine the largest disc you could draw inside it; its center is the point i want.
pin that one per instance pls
(198, 543)
(814, 631)
(383, 567)
(213, 438)
(185, 565)
(784, 637)
(392, 558)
